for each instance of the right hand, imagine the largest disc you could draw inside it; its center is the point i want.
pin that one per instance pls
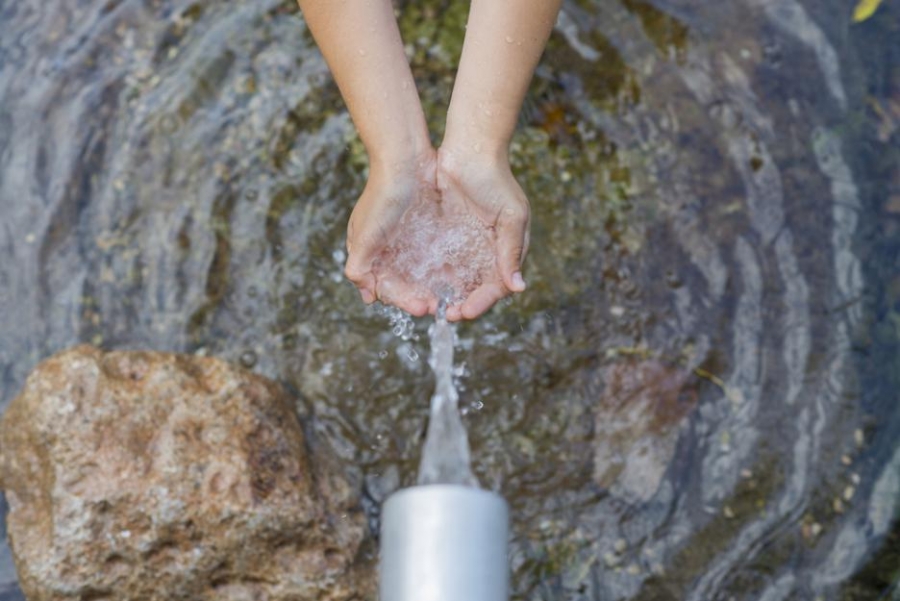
(392, 188)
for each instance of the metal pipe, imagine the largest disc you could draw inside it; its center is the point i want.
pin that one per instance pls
(444, 542)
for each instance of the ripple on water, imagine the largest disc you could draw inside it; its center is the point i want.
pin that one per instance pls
(674, 408)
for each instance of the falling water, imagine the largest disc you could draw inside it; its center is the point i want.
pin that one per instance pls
(445, 458)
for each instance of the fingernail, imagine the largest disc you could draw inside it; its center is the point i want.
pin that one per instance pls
(518, 282)
(367, 296)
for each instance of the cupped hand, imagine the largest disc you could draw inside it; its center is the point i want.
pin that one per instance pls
(483, 187)
(392, 188)
(448, 226)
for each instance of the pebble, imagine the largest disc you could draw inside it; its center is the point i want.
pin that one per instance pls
(248, 359)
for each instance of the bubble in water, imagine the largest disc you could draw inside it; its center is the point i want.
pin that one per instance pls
(248, 359)
(402, 324)
(441, 252)
(168, 124)
(445, 457)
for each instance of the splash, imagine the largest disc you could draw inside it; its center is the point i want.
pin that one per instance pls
(445, 457)
(439, 250)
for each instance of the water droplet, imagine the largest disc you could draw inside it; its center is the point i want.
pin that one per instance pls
(168, 124)
(412, 355)
(509, 39)
(672, 279)
(248, 359)
(383, 354)
(362, 52)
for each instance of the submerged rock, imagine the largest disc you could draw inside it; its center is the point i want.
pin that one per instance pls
(142, 475)
(637, 424)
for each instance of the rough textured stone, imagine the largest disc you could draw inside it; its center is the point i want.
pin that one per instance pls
(139, 475)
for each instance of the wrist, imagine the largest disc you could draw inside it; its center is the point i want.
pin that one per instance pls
(413, 164)
(479, 127)
(477, 144)
(400, 154)
(459, 153)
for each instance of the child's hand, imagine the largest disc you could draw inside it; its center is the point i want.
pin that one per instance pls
(484, 187)
(390, 190)
(445, 225)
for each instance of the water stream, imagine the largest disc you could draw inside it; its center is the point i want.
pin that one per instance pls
(445, 456)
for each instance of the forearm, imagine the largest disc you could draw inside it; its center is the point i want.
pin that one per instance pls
(362, 46)
(504, 41)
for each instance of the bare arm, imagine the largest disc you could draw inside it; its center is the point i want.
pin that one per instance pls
(504, 41)
(361, 43)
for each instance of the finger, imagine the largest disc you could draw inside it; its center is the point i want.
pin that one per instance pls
(482, 299)
(361, 275)
(512, 233)
(363, 246)
(432, 305)
(393, 291)
(416, 307)
(454, 313)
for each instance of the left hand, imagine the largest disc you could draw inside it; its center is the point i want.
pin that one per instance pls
(483, 187)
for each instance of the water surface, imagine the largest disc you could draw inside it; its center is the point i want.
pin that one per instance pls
(696, 397)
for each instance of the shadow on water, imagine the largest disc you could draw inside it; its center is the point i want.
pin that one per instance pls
(696, 397)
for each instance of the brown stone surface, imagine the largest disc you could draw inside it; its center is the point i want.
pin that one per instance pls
(145, 476)
(637, 424)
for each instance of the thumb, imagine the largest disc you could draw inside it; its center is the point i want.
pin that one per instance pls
(363, 279)
(512, 235)
(358, 270)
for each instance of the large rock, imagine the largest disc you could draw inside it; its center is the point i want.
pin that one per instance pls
(144, 476)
